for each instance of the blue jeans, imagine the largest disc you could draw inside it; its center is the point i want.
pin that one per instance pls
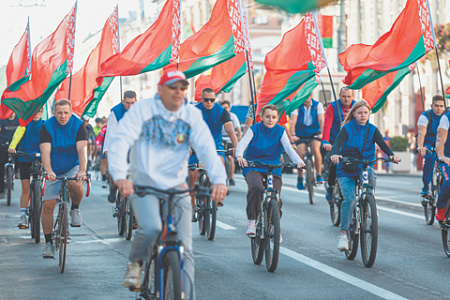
(348, 189)
(444, 195)
(428, 167)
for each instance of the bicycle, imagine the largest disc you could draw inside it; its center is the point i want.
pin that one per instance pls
(125, 217)
(309, 161)
(162, 274)
(335, 205)
(364, 224)
(60, 234)
(429, 201)
(9, 175)
(268, 232)
(35, 199)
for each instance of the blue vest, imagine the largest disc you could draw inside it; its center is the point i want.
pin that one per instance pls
(353, 145)
(212, 118)
(300, 128)
(430, 137)
(64, 154)
(119, 110)
(265, 147)
(336, 127)
(30, 141)
(447, 143)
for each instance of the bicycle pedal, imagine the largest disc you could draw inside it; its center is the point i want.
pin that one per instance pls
(22, 226)
(71, 225)
(115, 215)
(133, 289)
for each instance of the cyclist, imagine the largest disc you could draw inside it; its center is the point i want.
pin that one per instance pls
(215, 116)
(100, 141)
(356, 133)
(117, 113)
(443, 152)
(427, 126)
(7, 128)
(331, 128)
(307, 122)
(98, 126)
(29, 135)
(91, 148)
(159, 132)
(226, 139)
(63, 144)
(265, 142)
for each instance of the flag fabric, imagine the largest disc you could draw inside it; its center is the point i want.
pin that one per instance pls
(151, 50)
(296, 6)
(85, 91)
(219, 40)
(18, 69)
(376, 92)
(51, 61)
(409, 38)
(325, 24)
(294, 61)
(299, 97)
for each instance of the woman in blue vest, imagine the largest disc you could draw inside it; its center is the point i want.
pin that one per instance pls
(29, 135)
(348, 143)
(265, 142)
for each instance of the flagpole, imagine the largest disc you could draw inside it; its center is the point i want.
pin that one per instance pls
(420, 84)
(29, 48)
(118, 46)
(326, 63)
(70, 86)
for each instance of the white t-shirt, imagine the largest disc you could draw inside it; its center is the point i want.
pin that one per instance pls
(444, 123)
(423, 121)
(308, 121)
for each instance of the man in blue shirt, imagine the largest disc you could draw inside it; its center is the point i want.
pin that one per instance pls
(63, 144)
(7, 129)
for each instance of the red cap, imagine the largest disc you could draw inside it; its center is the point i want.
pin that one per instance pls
(170, 77)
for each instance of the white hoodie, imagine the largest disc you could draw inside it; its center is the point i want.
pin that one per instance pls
(160, 141)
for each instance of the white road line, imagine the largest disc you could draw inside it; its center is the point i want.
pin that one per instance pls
(398, 201)
(364, 285)
(398, 212)
(103, 241)
(225, 226)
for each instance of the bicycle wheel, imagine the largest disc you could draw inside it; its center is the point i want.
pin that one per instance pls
(212, 208)
(353, 238)
(369, 230)
(63, 228)
(257, 243)
(150, 275)
(335, 206)
(446, 240)
(172, 276)
(272, 233)
(128, 219)
(310, 180)
(120, 214)
(201, 207)
(9, 183)
(35, 216)
(428, 209)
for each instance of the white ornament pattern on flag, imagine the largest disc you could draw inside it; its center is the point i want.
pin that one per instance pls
(425, 24)
(28, 70)
(176, 29)
(114, 27)
(70, 38)
(313, 43)
(247, 41)
(236, 28)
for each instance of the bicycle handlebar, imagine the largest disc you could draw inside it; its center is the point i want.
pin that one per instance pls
(271, 166)
(21, 153)
(65, 178)
(148, 190)
(366, 162)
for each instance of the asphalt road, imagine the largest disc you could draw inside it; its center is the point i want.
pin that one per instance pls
(410, 262)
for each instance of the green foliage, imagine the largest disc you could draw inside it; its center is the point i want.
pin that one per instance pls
(398, 143)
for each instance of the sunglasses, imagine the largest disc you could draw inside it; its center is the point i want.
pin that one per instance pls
(209, 99)
(175, 87)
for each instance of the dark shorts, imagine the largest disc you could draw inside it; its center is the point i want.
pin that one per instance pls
(25, 170)
(303, 138)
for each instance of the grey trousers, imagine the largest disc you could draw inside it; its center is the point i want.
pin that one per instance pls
(146, 210)
(256, 190)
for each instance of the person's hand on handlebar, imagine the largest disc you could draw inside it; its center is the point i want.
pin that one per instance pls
(445, 159)
(335, 158)
(242, 162)
(51, 176)
(422, 151)
(301, 165)
(218, 192)
(125, 187)
(11, 150)
(81, 176)
(395, 158)
(327, 147)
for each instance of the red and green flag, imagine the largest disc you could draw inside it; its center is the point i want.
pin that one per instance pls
(296, 6)
(410, 37)
(297, 59)
(151, 50)
(325, 24)
(18, 69)
(52, 60)
(219, 40)
(85, 92)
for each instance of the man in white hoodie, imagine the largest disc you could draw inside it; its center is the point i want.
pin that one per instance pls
(159, 132)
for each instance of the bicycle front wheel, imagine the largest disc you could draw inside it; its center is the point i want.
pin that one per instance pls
(9, 183)
(272, 234)
(335, 205)
(202, 216)
(446, 240)
(35, 223)
(211, 229)
(369, 230)
(353, 238)
(310, 179)
(257, 243)
(428, 209)
(150, 275)
(120, 214)
(128, 219)
(63, 235)
(172, 276)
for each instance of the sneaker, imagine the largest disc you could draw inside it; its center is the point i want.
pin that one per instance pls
(300, 185)
(23, 224)
(425, 192)
(76, 219)
(329, 195)
(220, 204)
(111, 198)
(132, 277)
(2, 195)
(48, 251)
(440, 215)
(232, 183)
(251, 229)
(104, 184)
(343, 243)
(194, 214)
(319, 179)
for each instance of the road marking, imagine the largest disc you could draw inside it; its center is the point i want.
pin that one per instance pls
(103, 241)
(395, 211)
(398, 201)
(225, 226)
(364, 285)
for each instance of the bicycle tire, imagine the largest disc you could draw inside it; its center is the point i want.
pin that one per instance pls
(9, 183)
(128, 219)
(150, 275)
(257, 243)
(272, 243)
(335, 205)
(429, 210)
(212, 207)
(64, 225)
(310, 180)
(201, 207)
(353, 238)
(446, 240)
(36, 211)
(369, 230)
(120, 210)
(172, 276)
